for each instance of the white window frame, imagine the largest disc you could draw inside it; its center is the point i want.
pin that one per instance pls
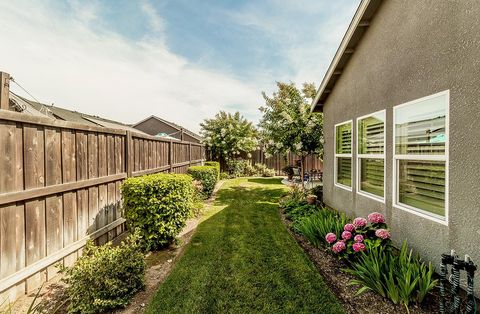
(372, 156)
(445, 158)
(339, 185)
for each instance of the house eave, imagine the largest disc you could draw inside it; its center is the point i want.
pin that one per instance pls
(357, 28)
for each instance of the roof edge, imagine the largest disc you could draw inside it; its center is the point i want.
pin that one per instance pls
(173, 125)
(355, 24)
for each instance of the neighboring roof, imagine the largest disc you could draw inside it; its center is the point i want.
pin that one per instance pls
(38, 109)
(19, 104)
(173, 125)
(357, 28)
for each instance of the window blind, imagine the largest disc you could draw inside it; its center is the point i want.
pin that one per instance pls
(420, 150)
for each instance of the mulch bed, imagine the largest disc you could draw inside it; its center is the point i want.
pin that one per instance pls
(331, 270)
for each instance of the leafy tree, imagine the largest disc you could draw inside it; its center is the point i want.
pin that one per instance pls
(288, 125)
(229, 136)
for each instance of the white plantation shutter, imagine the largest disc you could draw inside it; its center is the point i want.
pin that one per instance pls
(343, 154)
(371, 154)
(421, 154)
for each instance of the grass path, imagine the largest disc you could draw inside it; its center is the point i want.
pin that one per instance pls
(242, 260)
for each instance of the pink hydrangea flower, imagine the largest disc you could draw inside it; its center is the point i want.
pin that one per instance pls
(360, 222)
(357, 247)
(349, 227)
(338, 247)
(358, 238)
(331, 237)
(346, 235)
(376, 218)
(382, 234)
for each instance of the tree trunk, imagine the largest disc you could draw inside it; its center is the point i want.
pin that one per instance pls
(302, 171)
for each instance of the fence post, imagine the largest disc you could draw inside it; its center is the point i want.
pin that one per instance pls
(129, 153)
(4, 90)
(170, 155)
(190, 153)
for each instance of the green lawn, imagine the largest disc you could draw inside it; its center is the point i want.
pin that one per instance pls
(242, 260)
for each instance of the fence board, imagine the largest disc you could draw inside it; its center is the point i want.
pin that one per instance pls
(73, 202)
(92, 146)
(54, 227)
(60, 185)
(278, 161)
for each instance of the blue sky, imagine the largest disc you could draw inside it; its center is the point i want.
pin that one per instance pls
(183, 60)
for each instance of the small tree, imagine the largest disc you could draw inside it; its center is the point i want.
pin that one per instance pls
(228, 136)
(288, 125)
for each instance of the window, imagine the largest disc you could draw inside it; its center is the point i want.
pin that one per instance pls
(343, 155)
(371, 155)
(421, 156)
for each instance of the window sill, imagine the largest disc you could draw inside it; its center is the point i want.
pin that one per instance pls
(348, 188)
(423, 214)
(371, 196)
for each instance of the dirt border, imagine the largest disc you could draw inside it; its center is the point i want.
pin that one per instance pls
(157, 273)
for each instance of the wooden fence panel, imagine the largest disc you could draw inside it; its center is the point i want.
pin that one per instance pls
(278, 161)
(60, 185)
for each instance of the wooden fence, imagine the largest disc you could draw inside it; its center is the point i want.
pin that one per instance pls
(60, 186)
(279, 161)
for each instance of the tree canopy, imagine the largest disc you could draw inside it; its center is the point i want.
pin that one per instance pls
(288, 125)
(229, 136)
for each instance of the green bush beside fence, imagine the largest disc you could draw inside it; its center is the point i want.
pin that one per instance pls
(105, 277)
(158, 205)
(215, 164)
(207, 175)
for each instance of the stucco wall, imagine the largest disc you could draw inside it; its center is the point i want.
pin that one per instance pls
(413, 49)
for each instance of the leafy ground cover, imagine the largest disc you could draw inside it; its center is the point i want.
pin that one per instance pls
(242, 259)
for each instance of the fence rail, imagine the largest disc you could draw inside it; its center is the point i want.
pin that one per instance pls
(60, 186)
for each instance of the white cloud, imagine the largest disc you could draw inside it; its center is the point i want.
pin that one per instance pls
(154, 19)
(66, 62)
(73, 60)
(309, 39)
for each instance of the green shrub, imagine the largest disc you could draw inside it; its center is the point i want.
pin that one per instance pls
(295, 195)
(298, 212)
(250, 171)
(216, 165)
(224, 176)
(316, 226)
(263, 170)
(399, 276)
(207, 175)
(105, 277)
(288, 170)
(317, 191)
(259, 168)
(236, 167)
(269, 173)
(158, 205)
(289, 204)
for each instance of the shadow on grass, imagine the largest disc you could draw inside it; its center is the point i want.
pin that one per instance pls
(267, 181)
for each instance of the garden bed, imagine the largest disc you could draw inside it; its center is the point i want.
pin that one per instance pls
(331, 268)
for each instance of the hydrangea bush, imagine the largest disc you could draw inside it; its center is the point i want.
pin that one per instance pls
(360, 235)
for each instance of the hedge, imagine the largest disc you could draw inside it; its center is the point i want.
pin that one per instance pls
(207, 175)
(105, 277)
(215, 164)
(159, 205)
